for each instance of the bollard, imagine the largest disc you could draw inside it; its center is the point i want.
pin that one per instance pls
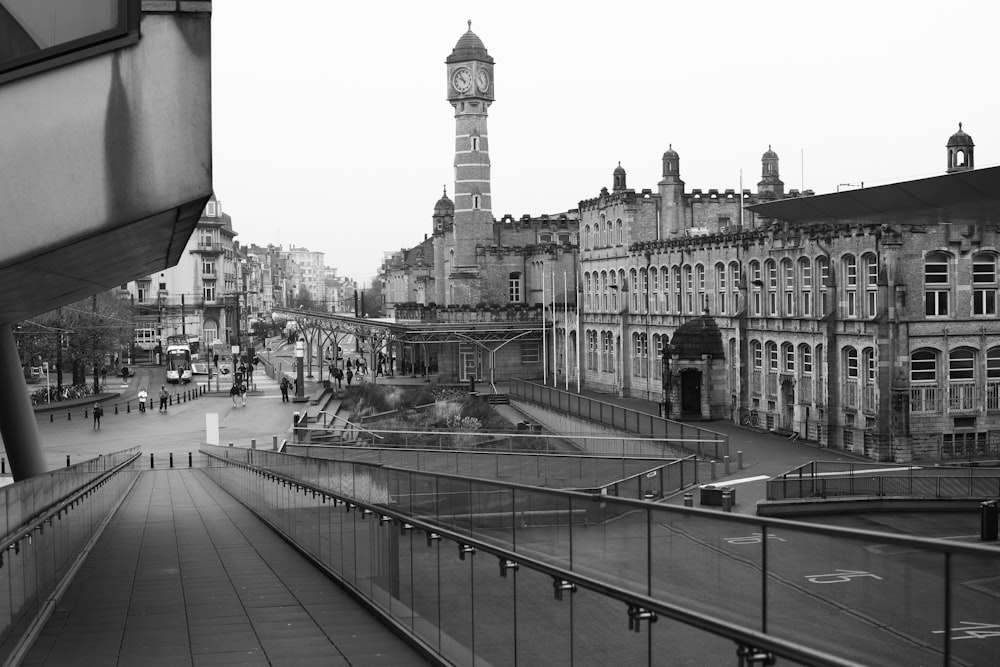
(274, 442)
(3, 466)
(52, 417)
(253, 443)
(85, 413)
(725, 464)
(739, 460)
(128, 408)
(116, 408)
(67, 460)
(69, 415)
(190, 461)
(988, 516)
(688, 499)
(714, 476)
(727, 500)
(151, 463)
(171, 459)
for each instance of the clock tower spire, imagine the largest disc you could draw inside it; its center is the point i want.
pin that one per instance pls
(470, 91)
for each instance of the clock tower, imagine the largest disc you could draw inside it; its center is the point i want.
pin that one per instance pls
(470, 92)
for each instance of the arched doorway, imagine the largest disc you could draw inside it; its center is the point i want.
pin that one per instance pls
(690, 393)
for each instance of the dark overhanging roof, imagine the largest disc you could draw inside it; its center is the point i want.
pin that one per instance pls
(964, 197)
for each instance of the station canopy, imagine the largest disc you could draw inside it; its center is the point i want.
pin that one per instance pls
(963, 197)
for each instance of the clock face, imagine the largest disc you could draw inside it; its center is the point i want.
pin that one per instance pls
(482, 80)
(462, 79)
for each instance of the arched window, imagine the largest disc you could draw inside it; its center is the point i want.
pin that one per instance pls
(993, 378)
(621, 232)
(937, 284)
(772, 286)
(788, 286)
(805, 286)
(734, 285)
(515, 287)
(756, 353)
(923, 366)
(851, 369)
(633, 286)
(962, 379)
(805, 359)
(788, 357)
(984, 283)
(586, 237)
(688, 288)
(609, 234)
(868, 359)
(675, 278)
(721, 289)
(771, 351)
(701, 298)
(756, 285)
(869, 262)
(588, 290)
(823, 272)
(850, 273)
(644, 284)
(654, 297)
(604, 291)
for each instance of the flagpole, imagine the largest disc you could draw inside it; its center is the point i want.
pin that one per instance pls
(545, 364)
(566, 323)
(555, 338)
(578, 286)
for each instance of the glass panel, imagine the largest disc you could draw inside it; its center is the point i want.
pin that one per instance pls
(974, 634)
(543, 623)
(426, 577)
(610, 543)
(494, 615)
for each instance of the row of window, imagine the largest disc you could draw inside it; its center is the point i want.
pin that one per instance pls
(603, 234)
(783, 288)
(963, 364)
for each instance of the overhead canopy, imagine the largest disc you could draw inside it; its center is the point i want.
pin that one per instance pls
(964, 197)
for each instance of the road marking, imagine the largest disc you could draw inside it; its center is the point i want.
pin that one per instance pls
(972, 630)
(839, 576)
(753, 538)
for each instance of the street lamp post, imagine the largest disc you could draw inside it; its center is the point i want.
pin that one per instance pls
(300, 390)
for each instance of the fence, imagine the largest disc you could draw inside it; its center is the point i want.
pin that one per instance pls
(694, 439)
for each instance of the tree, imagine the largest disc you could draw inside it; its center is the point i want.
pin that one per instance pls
(93, 334)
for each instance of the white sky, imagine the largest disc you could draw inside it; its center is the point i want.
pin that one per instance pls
(332, 130)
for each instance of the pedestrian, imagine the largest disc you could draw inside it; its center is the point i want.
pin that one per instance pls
(163, 397)
(243, 394)
(215, 359)
(98, 413)
(234, 393)
(349, 365)
(143, 395)
(104, 375)
(284, 389)
(350, 375)
(339, 375)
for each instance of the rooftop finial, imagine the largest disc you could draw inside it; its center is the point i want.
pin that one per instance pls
(445, 190)
(470, 25)
(959, 126)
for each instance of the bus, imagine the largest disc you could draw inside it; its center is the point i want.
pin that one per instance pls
(178, 359)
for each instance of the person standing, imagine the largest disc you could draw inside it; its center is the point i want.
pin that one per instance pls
(142, 399)
(163, 397)
(350, 376)
(284, 389)
(243, 394)
(98, 413)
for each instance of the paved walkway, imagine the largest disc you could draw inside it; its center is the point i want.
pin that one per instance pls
(185, 575)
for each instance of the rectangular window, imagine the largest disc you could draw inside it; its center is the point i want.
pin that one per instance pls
(208, 290)
(142, 291)
(515, 289)
(208, 267)
(789, 359)
(37, 35)
(936, 303)
(529, 351)
(807, 361)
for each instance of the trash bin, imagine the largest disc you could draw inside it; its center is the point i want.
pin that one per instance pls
(989, 512)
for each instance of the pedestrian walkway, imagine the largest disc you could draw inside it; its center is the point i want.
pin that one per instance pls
(185, 574)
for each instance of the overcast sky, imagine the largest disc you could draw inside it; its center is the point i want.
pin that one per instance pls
(332, 130)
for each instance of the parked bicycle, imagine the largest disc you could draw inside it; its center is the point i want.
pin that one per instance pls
(749, 418)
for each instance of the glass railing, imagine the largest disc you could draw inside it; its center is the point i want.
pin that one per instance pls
(46, 523)
(501, 573)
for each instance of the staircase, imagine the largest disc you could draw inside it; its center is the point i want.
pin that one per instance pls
(497, 399)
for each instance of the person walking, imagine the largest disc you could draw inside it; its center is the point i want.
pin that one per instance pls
(234, 393)
(243, 393)
(350, 376)
(143, 395)
(163, 397)
(339, 376)
(284, 389)
(98, 413)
